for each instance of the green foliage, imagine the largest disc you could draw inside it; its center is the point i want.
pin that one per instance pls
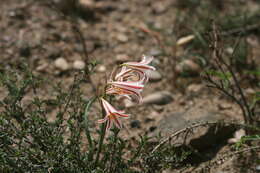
(245, 139)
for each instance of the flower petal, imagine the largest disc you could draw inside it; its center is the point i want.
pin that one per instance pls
(132, 86)
(103, 101)
(108, 125)
(117, 123)
(102, 120)
(143, 65)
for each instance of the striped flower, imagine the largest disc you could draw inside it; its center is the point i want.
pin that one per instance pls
(112, 115)
(127, 89)
(139, 68)
(142, 65)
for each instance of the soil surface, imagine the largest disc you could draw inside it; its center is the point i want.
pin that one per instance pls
(117, 31)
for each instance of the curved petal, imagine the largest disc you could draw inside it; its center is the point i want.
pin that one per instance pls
(102, 120)
(108, 125)
(103, 101)
(117, 123)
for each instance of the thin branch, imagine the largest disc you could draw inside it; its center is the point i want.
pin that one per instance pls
(200, 124)
(223, 158)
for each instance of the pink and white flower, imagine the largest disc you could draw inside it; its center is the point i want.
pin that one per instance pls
(142, 65)
(131, 75)
(112, 115)
(126, 89)
(128, 82)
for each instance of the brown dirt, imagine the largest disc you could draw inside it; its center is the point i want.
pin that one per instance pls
(112, 29)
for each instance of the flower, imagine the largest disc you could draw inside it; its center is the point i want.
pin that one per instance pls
(131, 75)
(139, 68)
(112, 115)
(142, 66)
(126, 89)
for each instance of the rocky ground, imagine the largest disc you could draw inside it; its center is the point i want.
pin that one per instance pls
(116, 31)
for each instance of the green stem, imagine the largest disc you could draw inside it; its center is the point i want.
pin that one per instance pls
(101, 139)
(90, 102)
(116, 131)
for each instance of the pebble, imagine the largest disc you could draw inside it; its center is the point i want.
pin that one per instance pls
(53, 52)
(229, 50)
(237, 136)
(61, 64)
(121, 58)
(154, 76)
(42, 67)
(122, 37)
(101, 68)
(79, 65)
(159, 98)
(155, 52)
(257, 167)
(184, 40)
(25, 50)
(188, 66)
(135, 124)
(128, 103)
(194, 88)
(152, 128)
(86, 3)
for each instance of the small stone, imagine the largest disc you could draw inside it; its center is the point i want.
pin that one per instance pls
(229, 50)
(237, 136)
(152, 128)
(86, 3)
(159, 98)
(79, 65)
(101, 68)
(61, 64)
(42, 67)
(194, 88)
(147, 120)
(159, 8)
(128, 103)
(135, 124)
(122, 37)
(257, 167)
(184, 40)
(155, 52)
(122, 58)
(154, 76)
(188, 66)
(25, 50)
(53, 52)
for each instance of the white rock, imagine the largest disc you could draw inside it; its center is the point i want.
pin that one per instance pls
(61, 64)
(79, 65)
(154, 76)
(237, 136)
(122, 37)
(101, 68)
(185, 40)
(188, 66)
(122, 57)
(194, 88)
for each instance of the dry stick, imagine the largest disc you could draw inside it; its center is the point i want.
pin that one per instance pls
(199, 124)
(78, 33)
(241, 29)
(250, 113)
(220, 88)
(176, 133)
(244, 105)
